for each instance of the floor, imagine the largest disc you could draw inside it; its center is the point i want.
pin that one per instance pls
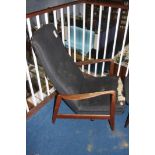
(75, 137)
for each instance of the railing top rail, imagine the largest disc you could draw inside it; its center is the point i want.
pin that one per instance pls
(106, 4)
(31, 14)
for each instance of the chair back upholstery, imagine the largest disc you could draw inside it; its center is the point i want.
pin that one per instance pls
(59, 66)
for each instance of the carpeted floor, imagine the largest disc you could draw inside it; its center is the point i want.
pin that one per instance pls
(75, 137)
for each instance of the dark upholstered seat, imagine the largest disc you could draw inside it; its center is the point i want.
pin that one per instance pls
(67, 78)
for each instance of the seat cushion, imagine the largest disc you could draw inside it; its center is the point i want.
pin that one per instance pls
(101, 104)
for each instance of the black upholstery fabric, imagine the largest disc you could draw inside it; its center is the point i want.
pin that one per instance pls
(126, 89)
(100, 104)
(67, 77)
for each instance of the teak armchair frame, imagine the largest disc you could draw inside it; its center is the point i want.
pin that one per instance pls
(60, 97)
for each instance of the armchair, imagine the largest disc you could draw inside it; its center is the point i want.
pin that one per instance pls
(88, 98)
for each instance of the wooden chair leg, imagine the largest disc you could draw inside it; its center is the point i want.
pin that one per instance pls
(56, 108)
(127, 121)
(112, 119)
(112, 112)
(112, 123)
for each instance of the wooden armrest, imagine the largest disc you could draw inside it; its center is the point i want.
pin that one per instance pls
(87, 95)
(110, 117)
(88, 62)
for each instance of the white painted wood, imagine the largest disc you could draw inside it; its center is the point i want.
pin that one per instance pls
(98, 38)
(68, 20)
(123, 44)
(47, 86)
(106, 40)
(55, 19)
(35, 60)
(62, 25)
(52, 90)
(38, 21)
(27, 108)
(127, 71)
(37, 95)
(83, 35)
(29, 27)
(46, 18)
(30, 85)
(74, 23)
(37, 73)
(116, 32)
(90, 41)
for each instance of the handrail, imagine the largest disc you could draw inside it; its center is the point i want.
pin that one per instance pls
(31, 14)
(117, 5)
(106, 4)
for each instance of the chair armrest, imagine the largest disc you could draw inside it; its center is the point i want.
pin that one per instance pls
(88, 95)
(91, 95)
(88, 62)
(93, 61)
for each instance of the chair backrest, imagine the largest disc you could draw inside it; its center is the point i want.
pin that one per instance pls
(59, 66)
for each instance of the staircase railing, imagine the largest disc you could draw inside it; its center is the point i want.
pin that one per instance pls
(107, 23)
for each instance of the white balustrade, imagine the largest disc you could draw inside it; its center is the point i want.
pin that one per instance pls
(30, 85)
(55, 19)
(123, 44)
(127, 71)
(46, 17)
(68, 20)
(62, 25)
(116, 32)
(106, 40)
(98, 37)
(83, 34)
(91, 28)
(35, 60)
(74, 23)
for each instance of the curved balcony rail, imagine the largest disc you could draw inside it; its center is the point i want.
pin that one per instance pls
(89, 30)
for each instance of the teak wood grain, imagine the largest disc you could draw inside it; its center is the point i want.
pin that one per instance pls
(110, 117)
(89, 62)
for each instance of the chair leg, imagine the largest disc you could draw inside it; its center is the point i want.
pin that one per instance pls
(56, 108)
(112, 112)
(112, 118)
(112, 123)
(127, 121)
